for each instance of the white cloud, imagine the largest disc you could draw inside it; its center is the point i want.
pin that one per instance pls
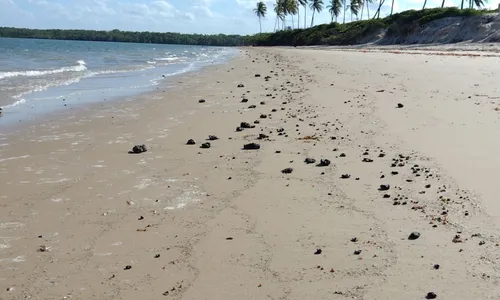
(203, 11)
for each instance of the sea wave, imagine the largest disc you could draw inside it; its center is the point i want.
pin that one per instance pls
(18, 102)
(168, 58)
(31, 73)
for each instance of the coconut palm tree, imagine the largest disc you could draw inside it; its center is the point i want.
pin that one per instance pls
(316, 6)
(354, 6)
(334, 8)
(477, 3)
(367, 4)
(442, 4)
(291, 8)
(304, 4)
(345, 6)
(472, 3)
(425, 2)
(278, 10)
(377, 13)
(260, 11)
(392, 6)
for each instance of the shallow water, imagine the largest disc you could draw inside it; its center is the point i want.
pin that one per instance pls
(39, 76)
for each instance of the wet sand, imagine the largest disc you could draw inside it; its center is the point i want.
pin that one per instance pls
(406, 208)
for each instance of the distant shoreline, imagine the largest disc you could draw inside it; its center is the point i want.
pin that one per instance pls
(220, 40)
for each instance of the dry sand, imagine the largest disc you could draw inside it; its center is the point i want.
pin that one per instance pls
(225, 223)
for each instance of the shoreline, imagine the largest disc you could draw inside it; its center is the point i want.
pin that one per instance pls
(405, 204)
(165, 83)
(97, 75)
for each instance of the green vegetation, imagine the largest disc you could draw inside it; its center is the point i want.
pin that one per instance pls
(397, 25)
(125, 36)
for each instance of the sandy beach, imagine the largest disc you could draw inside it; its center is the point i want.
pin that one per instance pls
(397, 198)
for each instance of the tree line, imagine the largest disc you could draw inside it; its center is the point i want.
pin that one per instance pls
(125, 36)
(356, 8)
(396, 27)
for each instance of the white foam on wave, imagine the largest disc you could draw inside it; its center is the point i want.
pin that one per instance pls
(168, 58)
(31, 73)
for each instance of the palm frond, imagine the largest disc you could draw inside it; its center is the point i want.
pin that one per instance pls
(335, 7)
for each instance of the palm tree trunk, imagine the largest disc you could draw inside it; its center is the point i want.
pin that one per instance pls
(442, 4)
(298, 18)
(461, 5)
(343, 21)
(260, 25)
(425, 2)
(368, 9)
(362, 8)
(305, 16)
(332, 18)
(377, 13)
(312, 20)
(392, 6)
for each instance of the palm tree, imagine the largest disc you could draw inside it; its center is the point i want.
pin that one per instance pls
(334, 8)
(354, 7)
(442, 4)
(304, 4)
(316, 6)
(377, 13)
(392, 6)
(291, 8)
(425, 2)
(345, 6)
(278, 9)
(478, 3)
(260, 11)
(472, 3)
(367, 4)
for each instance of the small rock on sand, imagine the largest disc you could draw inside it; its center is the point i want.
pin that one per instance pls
(287, 171)
(205, 146)
(212, 138)
(431, 295)
(241, 85)
(201, 101)
(414, 235)
(384, 187)
(246, 125)
(139, 149)
(251, 146)
(318, 252)
(400, 105)
(324, 163)
(310, 160)
(190, 142)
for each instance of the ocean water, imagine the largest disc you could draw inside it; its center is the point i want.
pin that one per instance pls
(40, 76)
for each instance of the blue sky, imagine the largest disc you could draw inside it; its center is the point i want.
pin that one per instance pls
(186, 16)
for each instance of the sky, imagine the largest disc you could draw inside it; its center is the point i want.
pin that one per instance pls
(185, 16)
